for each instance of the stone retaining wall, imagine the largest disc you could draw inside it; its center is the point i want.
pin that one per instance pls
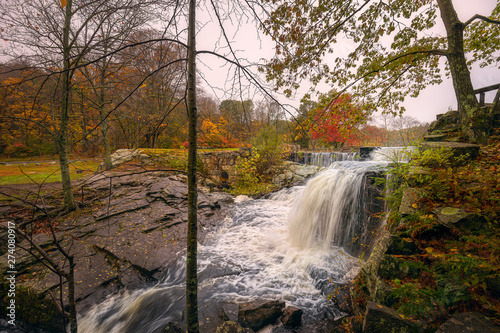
(217, 161)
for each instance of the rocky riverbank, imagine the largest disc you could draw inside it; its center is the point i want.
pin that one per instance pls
(132, 227)
(435, 267)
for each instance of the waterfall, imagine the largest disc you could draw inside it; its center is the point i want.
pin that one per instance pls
(297, 246)
(391, 154)
(335, 208)
(327, 159)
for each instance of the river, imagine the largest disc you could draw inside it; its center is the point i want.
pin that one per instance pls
(291, 246)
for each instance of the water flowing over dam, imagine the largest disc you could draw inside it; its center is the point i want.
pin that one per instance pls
(294, 246)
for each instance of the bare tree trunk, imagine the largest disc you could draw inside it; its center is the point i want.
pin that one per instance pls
(468, 106)
(62, 140)
(70, 277)
(102, 112)
(192, 237)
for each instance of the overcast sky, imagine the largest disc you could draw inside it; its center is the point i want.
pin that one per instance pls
(433, 100)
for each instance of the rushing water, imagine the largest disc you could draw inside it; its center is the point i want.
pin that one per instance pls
(286, 247)
(327, 159)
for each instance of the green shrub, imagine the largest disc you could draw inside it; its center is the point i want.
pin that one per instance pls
(254, 174)
(248, 180)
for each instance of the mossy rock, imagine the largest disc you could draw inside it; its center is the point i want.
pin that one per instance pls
(409, 200)
(461, 152)
(379, 318)
(458, 217)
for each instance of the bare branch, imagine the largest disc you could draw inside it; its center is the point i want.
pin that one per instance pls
(480, 17)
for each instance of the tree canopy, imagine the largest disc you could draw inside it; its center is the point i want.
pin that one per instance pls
(382, 51)
(334, 120)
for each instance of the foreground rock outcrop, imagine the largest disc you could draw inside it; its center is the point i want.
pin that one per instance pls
(134, 228)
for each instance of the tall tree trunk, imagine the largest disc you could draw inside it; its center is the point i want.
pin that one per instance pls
(62, 140)
(102, 112)
(70, 277)
(192, 237)
(468, 106)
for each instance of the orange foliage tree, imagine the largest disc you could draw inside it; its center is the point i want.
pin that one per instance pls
(216, 135)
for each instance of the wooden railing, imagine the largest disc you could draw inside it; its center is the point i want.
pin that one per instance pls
(484, 90)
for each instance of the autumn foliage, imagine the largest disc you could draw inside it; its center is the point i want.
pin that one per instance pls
(334, 121)
(216, 135)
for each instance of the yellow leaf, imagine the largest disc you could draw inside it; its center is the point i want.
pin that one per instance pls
(63, 3)
(415, 206)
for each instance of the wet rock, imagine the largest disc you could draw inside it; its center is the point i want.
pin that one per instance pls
(292, 317)
(365, 152)
(216, 270)
(137, 232)
(231, 327)
(212, 316)
(222, 197)
(468, 322)
(256, 315)
(231, 310)
(379, 318)
(341, 295)
(172, 328)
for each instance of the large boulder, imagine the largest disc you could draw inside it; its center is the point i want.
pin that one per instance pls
(445, 123)
(121, 156)
(292, 317)
(457, 217)
(468, 322)
(379, 319)
(295, 173)
(409, 201)
(134, 231)
(256, 315)
(462, 152)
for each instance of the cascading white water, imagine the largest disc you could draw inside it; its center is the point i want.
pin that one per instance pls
(392, 154)
(288, 247)
(330, 210)
(327, 159)
(248, 258)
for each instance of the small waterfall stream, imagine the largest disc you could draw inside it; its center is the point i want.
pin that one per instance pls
(288, 247)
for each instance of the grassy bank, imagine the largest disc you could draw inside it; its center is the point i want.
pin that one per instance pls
(43, 172)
